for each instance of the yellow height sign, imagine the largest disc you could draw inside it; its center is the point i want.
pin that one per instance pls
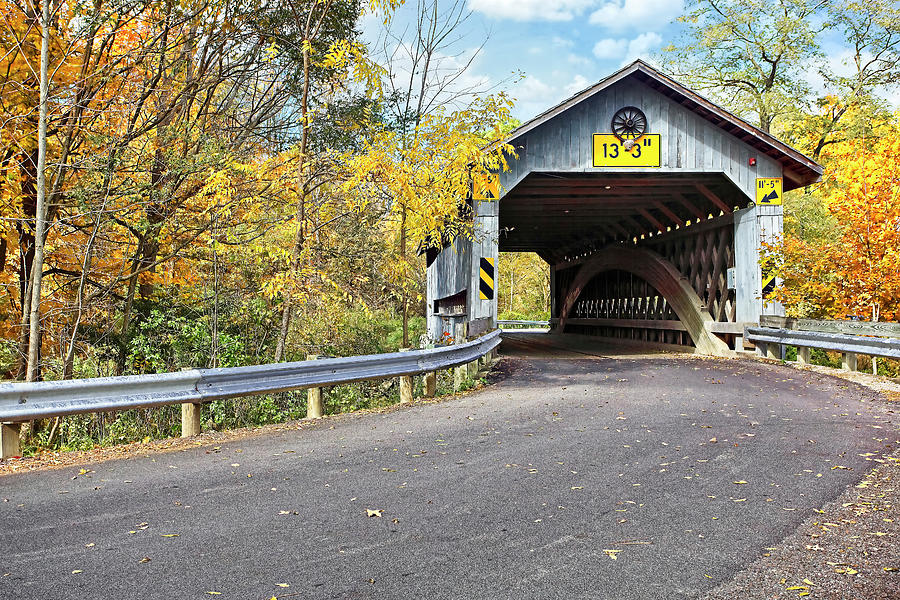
(486, 285)
(609, 151)
(769, 191)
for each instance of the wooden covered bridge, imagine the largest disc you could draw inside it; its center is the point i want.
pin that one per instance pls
(649, 203)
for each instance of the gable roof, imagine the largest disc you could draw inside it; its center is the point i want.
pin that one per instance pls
(799, 169)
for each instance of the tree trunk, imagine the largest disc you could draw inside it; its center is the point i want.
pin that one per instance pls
(34, 319)
(25, 231)
(299, 239)
(403, 278)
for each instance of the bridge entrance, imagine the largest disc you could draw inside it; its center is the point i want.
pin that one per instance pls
(649, 203)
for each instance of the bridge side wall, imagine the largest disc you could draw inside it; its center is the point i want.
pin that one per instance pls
(752, 227)
(457, 271)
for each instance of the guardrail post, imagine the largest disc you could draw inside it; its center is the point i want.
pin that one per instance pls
(848, 361)
(803, 355)
(459, 373)
(190, 419)
(430, 384)
(10, 440)
(472, 369)
(406, 385)
(313, 397)
(761, 348)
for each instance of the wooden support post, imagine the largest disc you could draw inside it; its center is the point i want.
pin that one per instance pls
(190, 419)
(803, 355)
(773, 351)
(761, 348)
(406, 389)
(406, 385)
(313, 397)
(472, 369)
(738, 343)
(459, 377)
(848, 361)
(10, 440)
(459, 373)
(430, 384)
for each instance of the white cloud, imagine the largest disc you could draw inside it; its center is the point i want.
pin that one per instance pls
(578, 83)
(610, 49)
(640, 14)
(578, 60)
(532, 89)
(642, 44)
(561, 42)
(627, 50)
(531, 10)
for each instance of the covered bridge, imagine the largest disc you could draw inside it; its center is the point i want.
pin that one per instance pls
(649, 203)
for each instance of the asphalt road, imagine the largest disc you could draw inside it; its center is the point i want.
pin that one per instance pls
(573, 476)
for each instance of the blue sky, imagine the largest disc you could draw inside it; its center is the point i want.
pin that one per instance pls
(563, 46)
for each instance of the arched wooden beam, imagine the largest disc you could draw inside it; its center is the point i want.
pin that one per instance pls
(662, 275)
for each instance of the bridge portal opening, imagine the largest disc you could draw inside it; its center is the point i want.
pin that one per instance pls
(523, 287)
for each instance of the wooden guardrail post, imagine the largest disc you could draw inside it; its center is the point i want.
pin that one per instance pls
(406, 385)
(848, 361)
(190, 419)
(430, 384)
(803, 355)
(10, 440)
(313, 397)
(459, 373)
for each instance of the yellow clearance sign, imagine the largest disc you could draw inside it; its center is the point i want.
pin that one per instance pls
(769, 191)
(610, 152)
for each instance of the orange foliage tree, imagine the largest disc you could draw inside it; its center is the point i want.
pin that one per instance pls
(857, 270)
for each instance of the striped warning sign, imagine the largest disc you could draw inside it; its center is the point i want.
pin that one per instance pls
(768, 283)
(486, 285)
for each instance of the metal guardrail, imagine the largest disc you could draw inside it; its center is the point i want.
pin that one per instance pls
(514, 323)
(26, 401)
(849, 344)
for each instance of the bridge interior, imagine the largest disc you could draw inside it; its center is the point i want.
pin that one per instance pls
(687, 218)
(564, 216)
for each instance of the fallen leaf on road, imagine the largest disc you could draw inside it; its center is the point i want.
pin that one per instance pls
(76, 571)
(612, 553)
(374, 512)
(170, 535)
(741, 482)
(146, 559)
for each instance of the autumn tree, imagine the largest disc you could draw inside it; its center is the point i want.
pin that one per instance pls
(749, 55)
(857, 271)
(426, 60)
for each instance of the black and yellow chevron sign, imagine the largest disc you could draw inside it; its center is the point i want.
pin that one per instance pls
(486, 285)
(768, 283)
